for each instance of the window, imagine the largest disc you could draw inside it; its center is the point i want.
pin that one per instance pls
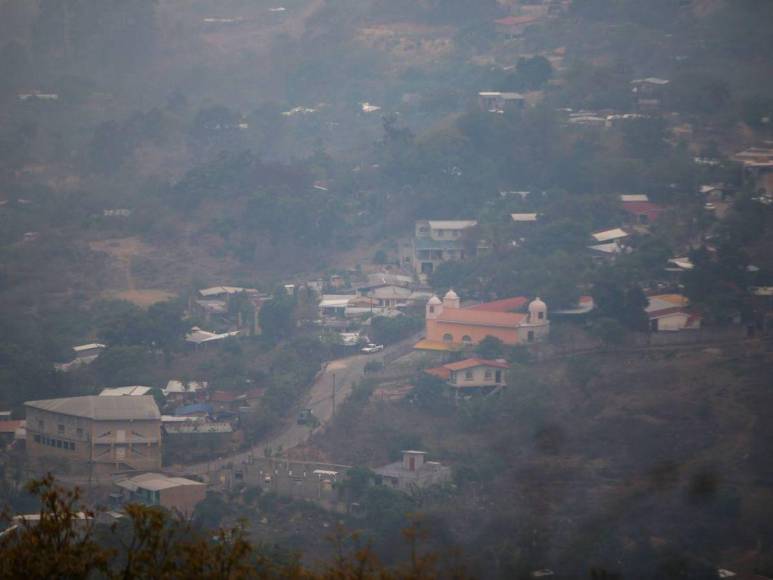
(448, 338)
(531, 336)
(441, 233)
(41, 424)
(60, 429)
(466, 339)
(79, 432)
(467, 375)
(432, 310)
(37, 438)
(541, 315)
(488, 374)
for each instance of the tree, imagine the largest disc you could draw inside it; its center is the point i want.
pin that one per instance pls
(276, 315)
(533, 73)
(490, 348)
(60, 545)
(624, 304)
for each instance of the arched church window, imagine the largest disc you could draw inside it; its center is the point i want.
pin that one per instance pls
(466, 339)
(448, 338)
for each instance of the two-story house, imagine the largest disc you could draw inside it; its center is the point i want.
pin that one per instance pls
(103, 434)
(438, 241)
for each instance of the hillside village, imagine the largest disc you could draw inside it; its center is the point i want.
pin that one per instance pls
(502, 265)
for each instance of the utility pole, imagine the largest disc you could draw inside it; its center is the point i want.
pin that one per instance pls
(334, 394)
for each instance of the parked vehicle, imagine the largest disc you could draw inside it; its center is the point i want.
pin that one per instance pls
(371, 348)
(306, 417)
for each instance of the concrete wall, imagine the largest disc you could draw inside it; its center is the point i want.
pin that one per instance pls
(183, 498)
(436, 329)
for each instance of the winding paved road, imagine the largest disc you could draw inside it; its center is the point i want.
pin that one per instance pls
(344, 372)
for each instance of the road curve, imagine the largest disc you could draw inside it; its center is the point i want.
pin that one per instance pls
(344, 373)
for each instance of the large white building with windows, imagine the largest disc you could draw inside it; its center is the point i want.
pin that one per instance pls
(102, 435)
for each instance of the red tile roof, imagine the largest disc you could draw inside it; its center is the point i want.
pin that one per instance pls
(505, 305)
(480, 317)
(10, 426)
(439, 372)
(651, 210)
(516, 20)
(476, 362)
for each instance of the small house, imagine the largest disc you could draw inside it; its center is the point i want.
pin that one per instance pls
(472, 376)
(155, 489)
(671, 313)
(412, 472)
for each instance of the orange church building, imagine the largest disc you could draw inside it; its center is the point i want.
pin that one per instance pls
(450, 327)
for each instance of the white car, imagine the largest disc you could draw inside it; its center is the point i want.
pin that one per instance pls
(372, 348)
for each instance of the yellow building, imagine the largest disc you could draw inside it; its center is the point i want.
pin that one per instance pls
(101, 434)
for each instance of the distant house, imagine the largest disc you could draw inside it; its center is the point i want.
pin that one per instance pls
(155, 489)
(472, 376)
(215, 306)
(757, 167)
(392, 296)
(670, 313)
(514, 26)
(198, 337)
(609, 243)
(523, 218)
(334, 305)
(84, 354)
(644, 212)
(649, 93)
(106, 434)
(435, 242)
(178, 392)
(680, 264)
(412, 473)
(714, 191)
(451, 327)
(499, 102)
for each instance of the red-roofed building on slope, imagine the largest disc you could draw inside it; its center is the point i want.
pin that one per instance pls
(451, 327)
(472, 376)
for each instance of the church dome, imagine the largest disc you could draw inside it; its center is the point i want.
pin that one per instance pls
(538, 310)
(434, 301)
(451, 295)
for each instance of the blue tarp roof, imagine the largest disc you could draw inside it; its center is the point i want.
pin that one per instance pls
(192, 409)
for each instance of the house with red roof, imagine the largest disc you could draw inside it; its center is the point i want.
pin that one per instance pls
(642, 210)
(450, 327)
(515, 26)
(472, 376)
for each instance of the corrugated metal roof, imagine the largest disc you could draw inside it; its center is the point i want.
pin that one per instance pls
(155, 482)
(125, 391)
(101, 408)
(524, 217)
(452, 224)
(634, 197)
(609, 235)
